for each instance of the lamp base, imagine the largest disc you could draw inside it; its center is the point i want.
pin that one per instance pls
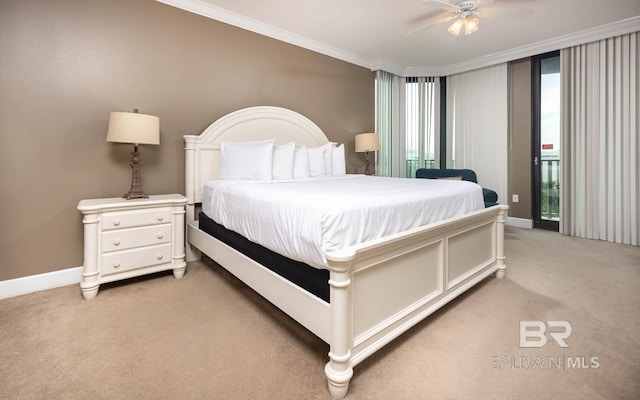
(136, 189)
(367, 162)
(135, 194)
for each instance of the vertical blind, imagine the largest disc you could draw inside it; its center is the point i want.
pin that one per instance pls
(389, 100)
(600, 193)
(477, 125)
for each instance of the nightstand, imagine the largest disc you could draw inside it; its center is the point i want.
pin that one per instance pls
(127, 238)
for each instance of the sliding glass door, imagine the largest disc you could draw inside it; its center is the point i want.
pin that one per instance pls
(546, 140)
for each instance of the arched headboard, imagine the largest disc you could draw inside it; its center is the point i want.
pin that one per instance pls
(202, 152)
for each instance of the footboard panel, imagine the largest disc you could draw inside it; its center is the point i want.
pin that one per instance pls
(470, 251)
(375, 286)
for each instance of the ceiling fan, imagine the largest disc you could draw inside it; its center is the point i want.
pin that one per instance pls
(467, 13)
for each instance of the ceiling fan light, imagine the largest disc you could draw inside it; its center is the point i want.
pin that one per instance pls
(471, 24)
(455, 28)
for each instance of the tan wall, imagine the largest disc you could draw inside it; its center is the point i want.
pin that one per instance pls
(66, 64)
(520, 149)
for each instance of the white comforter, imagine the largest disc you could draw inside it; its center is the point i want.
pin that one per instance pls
(304, 219)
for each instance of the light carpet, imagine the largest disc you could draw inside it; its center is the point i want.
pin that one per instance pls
(208, 336)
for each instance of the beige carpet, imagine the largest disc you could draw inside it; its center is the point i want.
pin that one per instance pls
(207, 336)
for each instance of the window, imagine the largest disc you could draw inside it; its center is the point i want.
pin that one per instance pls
(407, 111)
(420, 123)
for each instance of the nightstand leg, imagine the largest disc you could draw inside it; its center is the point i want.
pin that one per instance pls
(179, 266)
(179, 272)
(89, 284)
(89, 292)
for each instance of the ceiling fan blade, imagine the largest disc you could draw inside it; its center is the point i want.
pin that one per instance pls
(507, 3)
(441, 4)
(431, 24)
(516, 13)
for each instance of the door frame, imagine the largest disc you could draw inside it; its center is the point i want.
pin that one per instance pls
(536, 144)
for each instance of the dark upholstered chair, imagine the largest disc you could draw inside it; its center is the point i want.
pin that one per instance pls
(490, 196)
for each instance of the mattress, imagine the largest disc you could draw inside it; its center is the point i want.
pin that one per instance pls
(313, 280)
(304, 219)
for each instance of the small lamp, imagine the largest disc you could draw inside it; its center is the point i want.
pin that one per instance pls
(471, 24)
(366, 142)
(455, 28)
(125, 127)
(467, 20)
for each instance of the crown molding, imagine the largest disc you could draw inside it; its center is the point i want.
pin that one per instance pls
(581, 37)
(381, 64)
(210, 11)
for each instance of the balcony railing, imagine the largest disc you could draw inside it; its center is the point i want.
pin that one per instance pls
(550, 189)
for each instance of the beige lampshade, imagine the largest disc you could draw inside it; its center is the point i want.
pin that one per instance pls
(126, 127)
(367, 142)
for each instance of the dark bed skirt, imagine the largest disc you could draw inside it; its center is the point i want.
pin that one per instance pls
(313, 280)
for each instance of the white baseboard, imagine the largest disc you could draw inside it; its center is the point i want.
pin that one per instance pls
(36, 283)
(520, 222)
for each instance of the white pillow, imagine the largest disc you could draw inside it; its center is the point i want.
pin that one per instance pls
(282, 167)
(246, 160)
(301, 163)
(328, 158)
(316, 160)
(338, 163)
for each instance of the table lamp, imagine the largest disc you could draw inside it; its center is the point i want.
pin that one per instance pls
(366, 142)
(126, 127)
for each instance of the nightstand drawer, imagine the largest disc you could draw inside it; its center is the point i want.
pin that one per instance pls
(123, 239)
(120, 261)
(127, 219)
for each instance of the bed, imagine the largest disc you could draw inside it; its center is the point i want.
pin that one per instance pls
(375, 289)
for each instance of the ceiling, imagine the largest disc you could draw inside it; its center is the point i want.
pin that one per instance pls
(374, 33)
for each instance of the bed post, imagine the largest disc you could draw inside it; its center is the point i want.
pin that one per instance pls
(500, 273)
(190, 191)
(339, 370)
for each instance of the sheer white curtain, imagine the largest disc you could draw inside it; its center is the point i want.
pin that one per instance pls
(389, 124)
(477, 125)
(600, 189)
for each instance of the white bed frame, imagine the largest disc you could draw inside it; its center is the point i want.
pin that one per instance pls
(378, 289)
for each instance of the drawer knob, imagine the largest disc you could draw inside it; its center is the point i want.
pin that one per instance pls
(160, 256)
(116, 264)
(159, 235)
(116, 242)
(116, 222)
(160, 218)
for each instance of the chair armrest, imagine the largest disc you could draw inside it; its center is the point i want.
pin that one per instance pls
(490, 197)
